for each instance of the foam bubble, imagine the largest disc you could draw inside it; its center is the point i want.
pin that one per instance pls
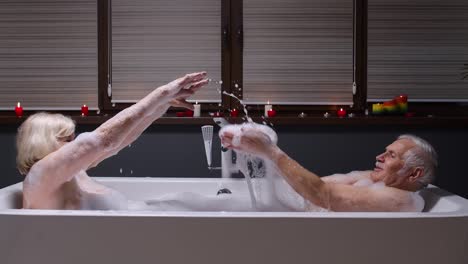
(239, 130)
(236, 140)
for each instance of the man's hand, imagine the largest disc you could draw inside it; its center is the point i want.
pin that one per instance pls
(251, 141)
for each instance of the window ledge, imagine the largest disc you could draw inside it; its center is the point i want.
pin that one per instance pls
(436, 121)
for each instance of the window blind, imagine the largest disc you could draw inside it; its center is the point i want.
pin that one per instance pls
(48, 54)
(156, 41)
(298, 52)
(418, 48)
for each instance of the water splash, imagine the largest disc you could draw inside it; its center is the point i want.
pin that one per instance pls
(248, 118)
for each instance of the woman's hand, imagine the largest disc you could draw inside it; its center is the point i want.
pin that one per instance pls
(251, 141)
(182, 88)
(181, 103)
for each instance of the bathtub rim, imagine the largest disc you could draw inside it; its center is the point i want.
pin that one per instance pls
(461, 212)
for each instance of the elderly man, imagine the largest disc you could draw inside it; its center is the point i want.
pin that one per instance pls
(406, 166)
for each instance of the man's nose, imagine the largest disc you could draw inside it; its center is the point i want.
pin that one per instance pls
(380, 157)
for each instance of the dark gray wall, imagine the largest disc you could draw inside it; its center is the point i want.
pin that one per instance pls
(177, 151)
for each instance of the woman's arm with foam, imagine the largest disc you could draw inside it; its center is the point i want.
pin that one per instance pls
(194, 83)
(132, 121)
(133, 135)
(60, 166)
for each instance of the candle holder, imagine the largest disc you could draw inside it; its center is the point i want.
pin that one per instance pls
(19, 110)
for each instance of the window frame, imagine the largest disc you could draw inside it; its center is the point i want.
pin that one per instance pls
(232, 64)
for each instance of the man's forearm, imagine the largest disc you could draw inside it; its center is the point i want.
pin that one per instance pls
(303, 181)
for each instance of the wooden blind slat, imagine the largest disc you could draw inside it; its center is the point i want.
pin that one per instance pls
(48, 54)
(154, 42)
(418, 48)
(298, 52)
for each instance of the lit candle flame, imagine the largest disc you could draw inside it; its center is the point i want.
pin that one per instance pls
(19, 105)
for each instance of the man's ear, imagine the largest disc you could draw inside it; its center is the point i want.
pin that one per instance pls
(416, 173)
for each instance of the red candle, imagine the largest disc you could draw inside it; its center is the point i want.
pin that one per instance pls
(180, 114)
(188, 113)
(19, 110)
(84, 110)
(341, 112)
(402, 103)
(390, 107)
(271, 113)
(234, 112)
(402, 98)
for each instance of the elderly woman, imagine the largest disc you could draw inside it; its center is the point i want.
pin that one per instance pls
(407, 165)
(55, 163)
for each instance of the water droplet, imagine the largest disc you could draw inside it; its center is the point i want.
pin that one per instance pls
(129, 145)
(131, 171)
(121, 170)
(236, 85)
(113, 105)
(220, 82)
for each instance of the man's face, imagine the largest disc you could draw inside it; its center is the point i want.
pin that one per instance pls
(389, 163)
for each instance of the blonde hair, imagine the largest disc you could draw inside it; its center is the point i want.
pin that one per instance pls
(40, 135)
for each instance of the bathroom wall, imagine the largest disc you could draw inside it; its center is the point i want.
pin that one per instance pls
(178, 151)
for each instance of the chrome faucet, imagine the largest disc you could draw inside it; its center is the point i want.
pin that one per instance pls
(228, 166)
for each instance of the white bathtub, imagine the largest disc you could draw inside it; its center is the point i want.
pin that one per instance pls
(439, 235)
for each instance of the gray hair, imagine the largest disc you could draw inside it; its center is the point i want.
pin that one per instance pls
(422, 155)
